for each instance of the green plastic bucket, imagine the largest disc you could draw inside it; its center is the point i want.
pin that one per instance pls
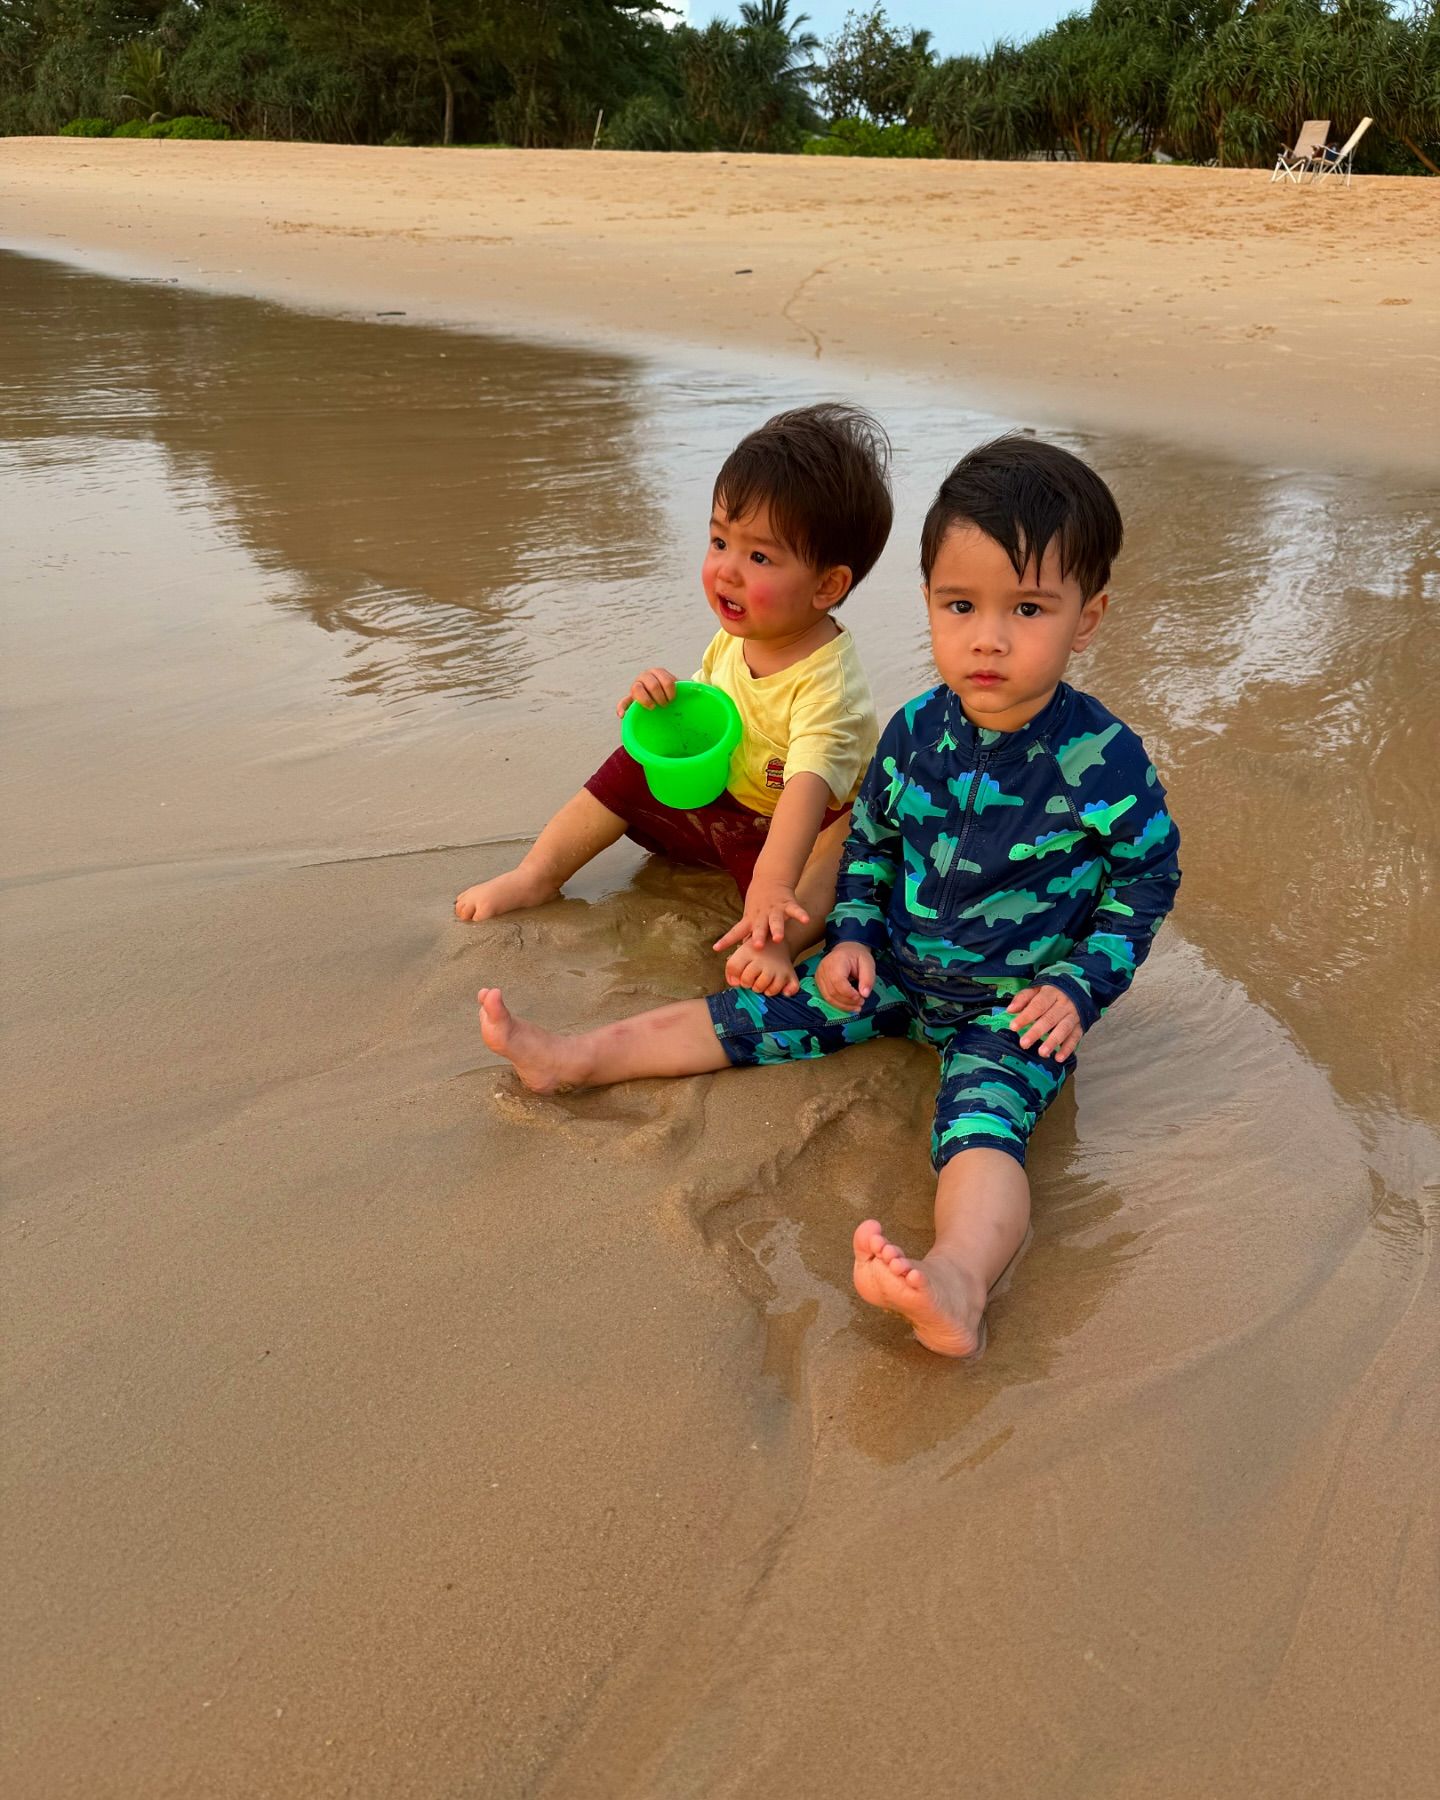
(685, 747)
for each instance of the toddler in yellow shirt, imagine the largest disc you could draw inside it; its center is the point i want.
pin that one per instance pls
(800, 513)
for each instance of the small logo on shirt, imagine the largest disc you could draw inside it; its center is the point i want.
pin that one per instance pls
(775, 773)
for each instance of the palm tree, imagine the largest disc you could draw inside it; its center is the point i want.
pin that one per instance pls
(144, 79)
(774, 16)
(776, 66)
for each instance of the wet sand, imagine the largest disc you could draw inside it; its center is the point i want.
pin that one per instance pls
(375, 1428)
(1202, 306)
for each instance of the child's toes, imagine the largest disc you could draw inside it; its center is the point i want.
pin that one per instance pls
(868, 1237)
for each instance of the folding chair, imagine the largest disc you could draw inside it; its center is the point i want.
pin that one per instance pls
(1341, 161)
(1292, 165)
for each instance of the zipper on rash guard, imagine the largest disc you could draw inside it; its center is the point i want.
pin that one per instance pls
(966, 820)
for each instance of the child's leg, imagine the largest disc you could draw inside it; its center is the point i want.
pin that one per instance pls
(578, 833)
(982, 1211)
(672, 1040)
(691, 1037)
(772, 969)
(992, 1094)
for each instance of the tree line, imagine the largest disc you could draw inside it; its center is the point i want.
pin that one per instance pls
(1222, 81)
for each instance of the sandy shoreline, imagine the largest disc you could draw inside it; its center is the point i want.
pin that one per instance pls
(1294, 325)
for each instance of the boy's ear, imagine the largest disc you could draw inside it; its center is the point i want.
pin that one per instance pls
(832, 587)
(1091, 613)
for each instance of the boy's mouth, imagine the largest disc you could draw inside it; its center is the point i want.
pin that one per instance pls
(729, 609)
(986, 677)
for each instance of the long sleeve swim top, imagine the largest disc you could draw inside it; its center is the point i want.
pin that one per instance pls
(1000, 860)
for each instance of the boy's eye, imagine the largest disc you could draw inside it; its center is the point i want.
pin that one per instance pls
(759, 556)
(1028, 609)
(717, 543)
(959, 606)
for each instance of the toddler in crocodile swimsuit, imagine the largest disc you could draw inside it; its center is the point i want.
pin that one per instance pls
(1009, 860)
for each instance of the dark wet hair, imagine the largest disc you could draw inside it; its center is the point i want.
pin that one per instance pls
(1028, 495)
(824, 473)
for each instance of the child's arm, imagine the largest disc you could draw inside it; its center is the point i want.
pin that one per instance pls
(857, 927)
(771, 901)
(825, 754)
(1142, 876)
(872, 859)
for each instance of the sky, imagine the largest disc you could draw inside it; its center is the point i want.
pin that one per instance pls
(960, 26)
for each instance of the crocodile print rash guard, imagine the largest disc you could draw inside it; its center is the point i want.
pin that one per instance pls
(984, 862)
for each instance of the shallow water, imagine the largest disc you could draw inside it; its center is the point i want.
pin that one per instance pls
(374, 1415)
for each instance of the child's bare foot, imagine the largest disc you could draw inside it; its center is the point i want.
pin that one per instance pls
(937, 1296)
(542, 1059)
(506, 893)
(768, 971)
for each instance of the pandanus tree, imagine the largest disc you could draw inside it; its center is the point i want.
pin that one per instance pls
(983, 106)
(1412, 110)
(1094, 86)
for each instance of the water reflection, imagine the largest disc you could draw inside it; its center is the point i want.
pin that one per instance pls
(454, 506)
(494, 535)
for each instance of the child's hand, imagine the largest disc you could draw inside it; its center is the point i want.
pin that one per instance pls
(846, 977)
(1044, 1013)
(656, 687)
(767, 906)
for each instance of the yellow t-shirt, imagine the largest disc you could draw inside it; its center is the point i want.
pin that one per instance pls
(815, 716)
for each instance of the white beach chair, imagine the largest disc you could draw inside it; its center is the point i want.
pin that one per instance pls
(1293, 165)
(1341, 161)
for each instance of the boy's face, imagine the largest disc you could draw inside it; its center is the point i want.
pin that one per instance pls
(1001, 642)
(757, 586)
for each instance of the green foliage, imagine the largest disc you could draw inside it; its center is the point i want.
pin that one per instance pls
(985, 106)
(141, 78)
(1204, 81)
(871, 69)
(1201, 81)
(55, 56)
(649, 122)
(91, 128)
(189, 126)
(747, 87)
(244, 66)
(134, 128)
(861, 137)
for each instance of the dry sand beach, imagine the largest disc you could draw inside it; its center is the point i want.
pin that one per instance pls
(377, 1429)
(1205, 305)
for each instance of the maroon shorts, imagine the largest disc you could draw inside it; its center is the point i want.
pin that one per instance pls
(723, 835)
